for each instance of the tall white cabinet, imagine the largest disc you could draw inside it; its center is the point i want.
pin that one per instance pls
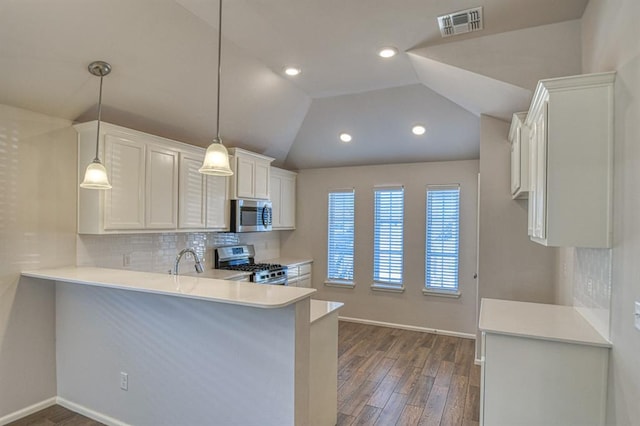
(156, 185)
(570, 126)
(282, 190)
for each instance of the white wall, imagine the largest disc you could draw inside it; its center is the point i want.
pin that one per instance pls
(411, 307)
(611, 41)
(189, 362)
(511, 266)
(37, 230)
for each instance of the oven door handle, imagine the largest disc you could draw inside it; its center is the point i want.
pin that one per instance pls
(277, 281)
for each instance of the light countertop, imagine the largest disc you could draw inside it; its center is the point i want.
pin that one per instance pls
(288, 261)
(217, 274)
(539, 321)
(213, 290)
(322, 308)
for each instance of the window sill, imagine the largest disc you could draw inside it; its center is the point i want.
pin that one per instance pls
(340, 284)
(387, 288)
(442, 293)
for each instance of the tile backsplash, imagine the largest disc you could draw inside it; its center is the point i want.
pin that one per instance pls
(592, 286)
(157, 252)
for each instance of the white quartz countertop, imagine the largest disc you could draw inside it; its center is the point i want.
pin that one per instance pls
(322, 308)
(213, 290)
(218, 274)
(288, 261)
(539, 321)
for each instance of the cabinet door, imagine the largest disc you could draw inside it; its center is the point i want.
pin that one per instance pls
(161, 188)
(124, 203)
(288, 202)
(217, 203)
(304, 281)
(276, 200)
(539, 230)
(515, 163)
(245, 177)
(533, 176)
(192, 212)
(261, 177)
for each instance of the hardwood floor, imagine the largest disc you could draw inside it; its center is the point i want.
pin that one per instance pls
(385, 377)
(55, 415)
(398, 377)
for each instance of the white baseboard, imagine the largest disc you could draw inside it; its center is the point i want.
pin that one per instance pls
(477, 361)
(80, 409)
(409, 327)
(12, 417)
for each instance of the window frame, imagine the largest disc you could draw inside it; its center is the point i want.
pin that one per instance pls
(337, 281)
(377, 282)
(439, 289)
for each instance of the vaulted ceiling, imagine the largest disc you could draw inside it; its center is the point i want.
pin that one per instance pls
(163, 54)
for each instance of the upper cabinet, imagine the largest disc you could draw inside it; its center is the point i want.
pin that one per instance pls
(570, 126)
(250, 174)
(283, 198)
(519, 138)
(156, 185)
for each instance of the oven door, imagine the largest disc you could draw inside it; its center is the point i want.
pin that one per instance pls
(251, 216)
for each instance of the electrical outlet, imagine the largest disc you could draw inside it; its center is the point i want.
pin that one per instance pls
(126, 259)
(124, 381)
(637, 315)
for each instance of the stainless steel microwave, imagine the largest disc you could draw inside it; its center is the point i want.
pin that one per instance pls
(251, 215)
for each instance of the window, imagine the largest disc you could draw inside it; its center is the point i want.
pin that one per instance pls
(443, 236)
(340, 240)
(388, 237)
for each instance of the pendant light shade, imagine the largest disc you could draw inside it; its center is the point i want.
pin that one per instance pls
(95, 177)
(216, 160)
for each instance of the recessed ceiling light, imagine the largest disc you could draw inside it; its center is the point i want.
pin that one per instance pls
(418, 130)
(387, 52)
(292, 71)
(345, 137)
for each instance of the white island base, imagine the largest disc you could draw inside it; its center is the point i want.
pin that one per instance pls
(195, 351)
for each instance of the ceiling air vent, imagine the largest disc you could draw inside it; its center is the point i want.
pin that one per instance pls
(464, 21)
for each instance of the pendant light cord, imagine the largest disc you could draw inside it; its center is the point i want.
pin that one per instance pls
(97, 160)
(219, 70)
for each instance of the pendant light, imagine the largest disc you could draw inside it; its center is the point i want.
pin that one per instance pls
(216, 159)
(95, 177)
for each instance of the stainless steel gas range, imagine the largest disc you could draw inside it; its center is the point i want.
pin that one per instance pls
(241, 258)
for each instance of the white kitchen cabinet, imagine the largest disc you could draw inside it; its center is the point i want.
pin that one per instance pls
(192, 191)
(217, 203)
(283, 198)
(161, 183)
(570, 125)
(156, 185)
(251, 173)
(519, 138)
(299, 274)
(540, 365)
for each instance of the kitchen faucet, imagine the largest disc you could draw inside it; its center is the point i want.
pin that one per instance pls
(198, 265)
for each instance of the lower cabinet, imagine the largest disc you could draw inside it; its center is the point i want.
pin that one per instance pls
(540, 366)
(299, 275)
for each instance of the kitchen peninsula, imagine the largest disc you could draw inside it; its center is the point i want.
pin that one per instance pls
(148, 348)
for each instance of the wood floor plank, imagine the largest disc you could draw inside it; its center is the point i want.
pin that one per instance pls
(381, 370)
(383, 392)
(344, 420)
(445, 371)
(432, 413)
(456, 398)
(410, 416)
(420, 393)
(368, 415)
(358, 399)
(408, 381)
(392, 411)
(472, 404)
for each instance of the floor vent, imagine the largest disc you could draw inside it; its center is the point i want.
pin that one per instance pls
(464, 21)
